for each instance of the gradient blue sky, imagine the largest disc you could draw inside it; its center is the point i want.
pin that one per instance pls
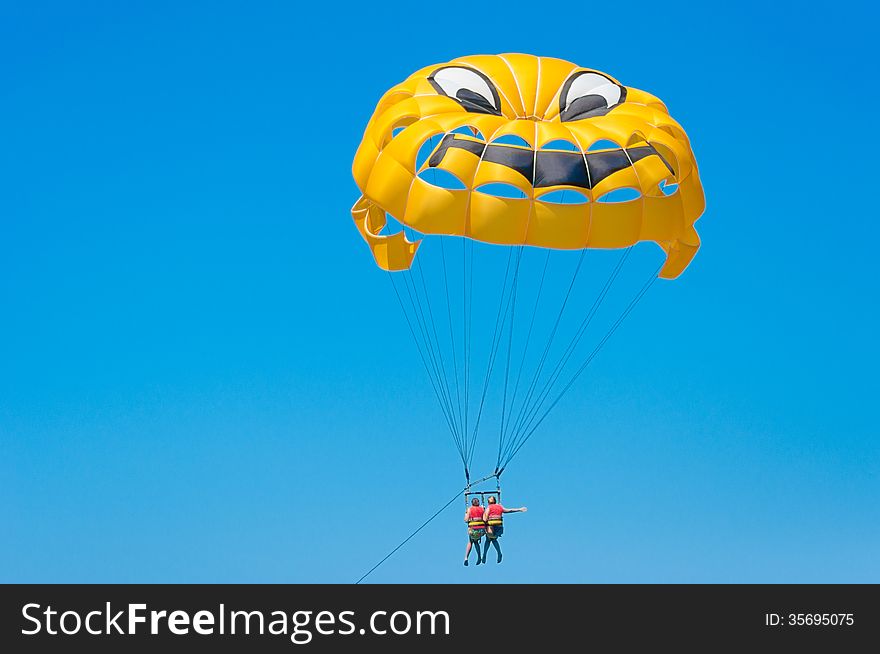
(204, 378)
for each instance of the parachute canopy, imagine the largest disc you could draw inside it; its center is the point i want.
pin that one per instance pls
(502, 138)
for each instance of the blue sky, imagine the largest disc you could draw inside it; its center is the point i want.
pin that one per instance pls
(205, 379)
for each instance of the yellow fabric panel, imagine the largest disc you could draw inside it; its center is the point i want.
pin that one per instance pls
(639, 97)
(694, 202)
(392, 252)
(548, 93)
(615, 225)
(528, 100)
(560, 225)
(362, 167)
(389, 185)
(527, 69)
(498, 220)
(429, 208)
(679, 253)
(662, 218)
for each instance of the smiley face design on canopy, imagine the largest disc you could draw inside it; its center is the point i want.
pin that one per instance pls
(538, 128)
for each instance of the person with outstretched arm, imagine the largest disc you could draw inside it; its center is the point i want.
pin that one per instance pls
(493, 516)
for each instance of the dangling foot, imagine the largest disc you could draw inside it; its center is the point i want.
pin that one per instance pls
(479, 560)
(466, 562)
(499, 557)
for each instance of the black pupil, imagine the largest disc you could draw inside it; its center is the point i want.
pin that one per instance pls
(584, 107)
(473, 101)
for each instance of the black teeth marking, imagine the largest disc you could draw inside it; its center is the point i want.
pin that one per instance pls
(551, 168)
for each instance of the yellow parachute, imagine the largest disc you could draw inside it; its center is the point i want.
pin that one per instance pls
(542, 102)
(528, 153)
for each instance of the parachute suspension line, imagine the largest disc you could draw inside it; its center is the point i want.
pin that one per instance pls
(571, 348)
(500, 319)
(437, 340)
(632, 304)
(451, 335)
(509, 349)
(425, 364)
(432, 353)
(421, 320)
(467, 284)
(471, 438)
(523, 358)
(541, 362)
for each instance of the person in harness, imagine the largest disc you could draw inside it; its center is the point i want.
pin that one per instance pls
(476, 529)
(494, 519)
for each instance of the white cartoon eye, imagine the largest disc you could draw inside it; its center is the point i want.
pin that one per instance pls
(588, 94)
(470, 88)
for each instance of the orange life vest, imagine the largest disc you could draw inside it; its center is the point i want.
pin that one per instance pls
(496, 515)
(475, 518)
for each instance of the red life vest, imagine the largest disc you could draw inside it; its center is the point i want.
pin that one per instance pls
(496, 514)
(475, 518)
